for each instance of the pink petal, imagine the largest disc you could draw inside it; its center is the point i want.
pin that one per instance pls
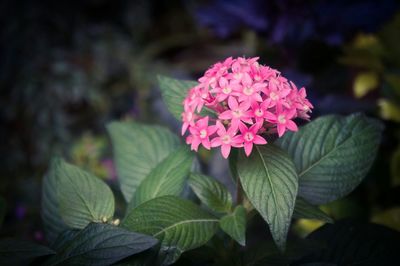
(184, 128)
(195, 144)
(225, 150)
(248, 146)
(291, 125)
(225, 115)
(242, 127)
(202, 123)
(206, 143)
(281, 130)
(216, 142)
(232, 103)
(259, 140)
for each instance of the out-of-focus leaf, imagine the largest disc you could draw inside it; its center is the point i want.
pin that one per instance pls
(138, 149)
(83, 198)
(14, 252)
(234, 224)
(168, 178)
(50, 206)
(303, 227)
(179, 224)
(100, 244)
(211, 193)
(389, 110)
(269, 179)
(389, 218)
(364, 83)
(305, 210)
(332, 154)
(395, 167)
(350, 243)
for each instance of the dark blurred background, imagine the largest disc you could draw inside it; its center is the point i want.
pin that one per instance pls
(69, 67)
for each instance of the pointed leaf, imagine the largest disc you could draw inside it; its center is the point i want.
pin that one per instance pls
(138, 149)
(332, 155)
(179, 224)
(83, 198)
(269, 179)
(50, 211)
(174, 92)
(304, 210)
(15, 252)
(101, 244)
(211, 193)
(235, 225)
(168, 178)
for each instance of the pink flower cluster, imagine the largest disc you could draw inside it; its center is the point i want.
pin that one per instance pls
(237, 101)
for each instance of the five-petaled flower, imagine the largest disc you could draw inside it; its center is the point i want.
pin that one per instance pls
(247, 100)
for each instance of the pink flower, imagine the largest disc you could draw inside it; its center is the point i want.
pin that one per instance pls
(283, 121)
(244, 95)
(226, 139)
(236, 112)
(200, 134)
(249, 137)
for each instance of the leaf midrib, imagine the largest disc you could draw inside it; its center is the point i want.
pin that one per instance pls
(184, 222)
(268, 175)
(327, 154)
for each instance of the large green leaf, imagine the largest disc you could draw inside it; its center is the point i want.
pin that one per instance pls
(100, 244)
(179, 224)
(83, 198)
(174, 92)
(50, 211)
(305, 210)
(332, 155)
(269, 179)
(235, 225)
(211, 192)
(168, 178)
(17, 252)
(138, 149)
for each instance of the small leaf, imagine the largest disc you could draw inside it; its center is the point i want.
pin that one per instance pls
(101, 244)
(179, 224)
(83, 198)
(364, 83)
(235, 225)
(332, 155)
(269, 179)
(389, 110)
(15, 252)
(174, 92)
(389, 218)
(138, 149)
(168, 178)
(305, 210)
(50, 206)
(211, 192)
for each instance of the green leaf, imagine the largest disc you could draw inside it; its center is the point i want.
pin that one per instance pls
(83, 198)
(235, 225)
(138, 149)
(168, 178)
(179, 224)
(174, 92)
(332, 155)
(211, 192)
(50, 211)
(16, 252)
(305, 210)
(101, 244)
(351, 243)
(269, 179)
